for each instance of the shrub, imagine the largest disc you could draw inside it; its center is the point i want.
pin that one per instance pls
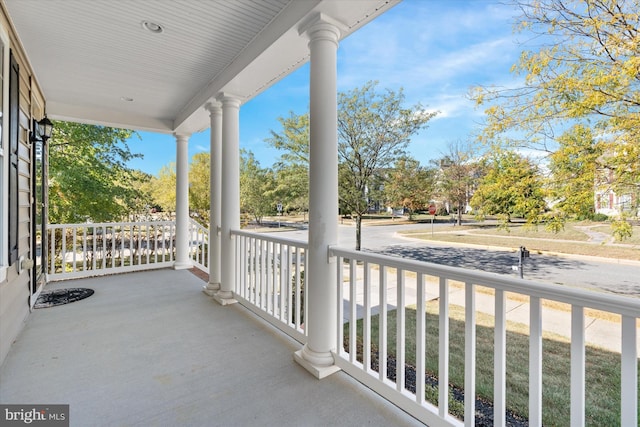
(599, 217)
(621, 229)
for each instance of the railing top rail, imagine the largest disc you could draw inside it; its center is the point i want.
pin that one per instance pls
(291, 242)
(109, 224)
(197, 224)
(599, 301)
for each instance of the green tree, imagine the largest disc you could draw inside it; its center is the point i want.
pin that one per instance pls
(292, 187)
(199, 186)
(142, 204)
(256, 187)
(459, 174)
(583, 70)
(512, 187)
(88, 175)
(409, 185)
(292, 169)
(293, 140)
(573, 172)
(374, 130)
(164, 188)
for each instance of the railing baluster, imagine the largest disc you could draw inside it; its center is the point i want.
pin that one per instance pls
(74, 245)
(94, 246)
(63, 251)
(366, 320)
(535, 362)
(148, 240)
(340, 307)
(499, 360)
(84, 248)
(353, 318)
(283, 267)
(629, 373)
(138, 244)
(172, 237)
(443, 349)
(305, 315)
(382, 327)
(52, 239)
(577, 366)
(400, 330)
(269, 274)
(298, 286)
(240, 263)
(155, 243)
(263, 273)
(470, 355)
(421, 331)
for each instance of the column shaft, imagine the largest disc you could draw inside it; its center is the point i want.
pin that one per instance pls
(230, 200)
(215, 197)
(320, 280)
(182, 202)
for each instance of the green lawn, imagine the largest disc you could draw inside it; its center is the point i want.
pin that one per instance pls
(602, 371)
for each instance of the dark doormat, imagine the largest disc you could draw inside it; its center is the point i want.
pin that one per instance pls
(61, 297)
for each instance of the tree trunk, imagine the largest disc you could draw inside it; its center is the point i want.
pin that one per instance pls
(358, 231)
(460, 207)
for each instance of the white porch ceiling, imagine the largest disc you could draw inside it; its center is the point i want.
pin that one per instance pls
(89, 56)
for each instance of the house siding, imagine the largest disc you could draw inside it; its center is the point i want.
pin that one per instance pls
(15, 291)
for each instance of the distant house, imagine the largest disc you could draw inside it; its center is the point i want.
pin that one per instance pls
(610, 202)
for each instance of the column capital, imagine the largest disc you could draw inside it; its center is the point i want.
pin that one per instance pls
(213, 107)
(181, 136)
(229, 99)
(321, 26)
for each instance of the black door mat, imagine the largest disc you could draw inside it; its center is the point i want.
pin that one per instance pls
(62, 296)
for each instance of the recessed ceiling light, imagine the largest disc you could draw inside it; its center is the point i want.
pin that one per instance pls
(152, 27)
(126, 99)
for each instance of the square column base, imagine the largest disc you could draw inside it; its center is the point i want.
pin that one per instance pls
(223, 301)
(211, 288)
(182, 265)
(319, 372)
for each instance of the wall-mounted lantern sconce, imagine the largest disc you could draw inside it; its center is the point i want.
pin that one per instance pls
(42, 130)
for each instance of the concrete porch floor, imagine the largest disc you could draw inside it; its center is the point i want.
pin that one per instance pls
(150, 349)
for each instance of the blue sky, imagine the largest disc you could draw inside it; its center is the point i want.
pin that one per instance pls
(436, 50)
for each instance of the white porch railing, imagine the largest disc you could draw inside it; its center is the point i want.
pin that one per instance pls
(199, 245)
(270, 280)
(84, 250)
(364, 292)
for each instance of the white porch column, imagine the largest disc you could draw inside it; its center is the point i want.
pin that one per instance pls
(230, 195)
(215, 197)
(182, 202)
(320, 281)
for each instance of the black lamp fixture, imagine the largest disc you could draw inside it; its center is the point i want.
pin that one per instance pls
(42, 130)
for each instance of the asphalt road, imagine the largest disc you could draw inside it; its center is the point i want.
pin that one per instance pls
(574, 271)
